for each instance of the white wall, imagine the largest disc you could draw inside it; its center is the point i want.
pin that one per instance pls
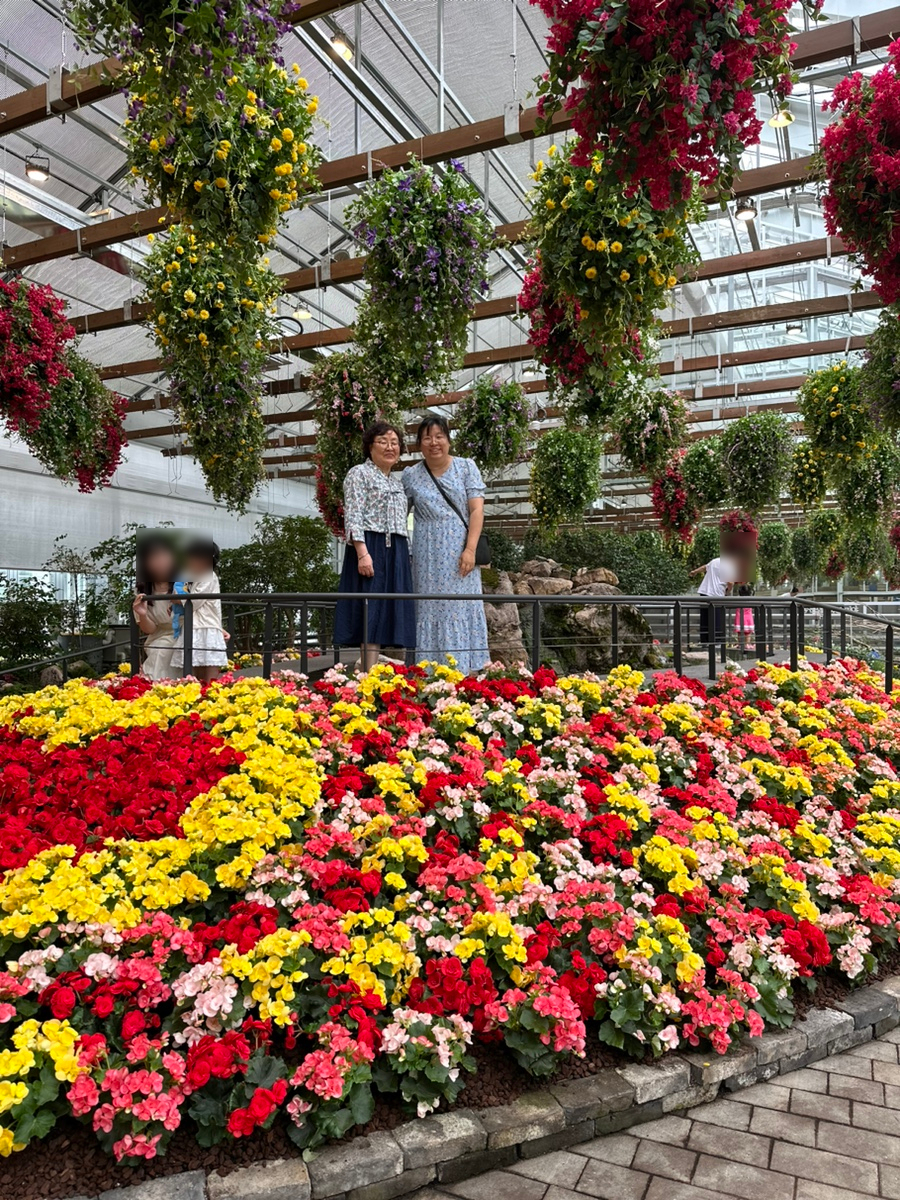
(147, 489)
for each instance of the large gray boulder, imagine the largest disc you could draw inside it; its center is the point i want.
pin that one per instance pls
(504, 626)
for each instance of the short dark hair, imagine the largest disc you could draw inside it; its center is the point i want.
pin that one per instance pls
(377, 430)
(429, 423)
(204, 548)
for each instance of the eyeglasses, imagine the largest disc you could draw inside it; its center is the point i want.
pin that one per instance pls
(384, 444)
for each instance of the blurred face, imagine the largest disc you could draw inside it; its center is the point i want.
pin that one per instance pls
(435, 443)
(160, 565)
(385, 451)
(197, 567)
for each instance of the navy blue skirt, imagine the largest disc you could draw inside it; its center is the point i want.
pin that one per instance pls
(390, 622)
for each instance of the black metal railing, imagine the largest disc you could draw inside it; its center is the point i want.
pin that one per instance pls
(796, 626)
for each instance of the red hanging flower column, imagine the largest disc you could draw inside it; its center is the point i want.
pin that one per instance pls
(666, 86)
(860, 153)
(675, 509)
(33, 337)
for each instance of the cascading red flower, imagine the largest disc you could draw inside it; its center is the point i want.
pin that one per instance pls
(552, 333)
(676, 512)
(860, 151)
(33, 337)
(665, 89)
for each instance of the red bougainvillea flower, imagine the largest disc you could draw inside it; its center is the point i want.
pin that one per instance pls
(676, 512)
(33, 337)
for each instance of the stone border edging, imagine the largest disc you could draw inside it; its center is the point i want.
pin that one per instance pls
(449, 1147)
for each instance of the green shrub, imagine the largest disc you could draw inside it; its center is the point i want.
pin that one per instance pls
(506, 555)
(30, 621)
(705, 546)
(775, 552)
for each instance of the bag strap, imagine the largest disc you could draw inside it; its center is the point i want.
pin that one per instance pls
(437, 484)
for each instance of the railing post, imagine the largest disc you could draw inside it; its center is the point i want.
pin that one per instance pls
(826, 633)
(676, 638)
(759, 625)
(614, 635)
(889, 659)
(794, 656)
(535, 634)
(267, 641)
(843, 635)
(711, 630)
(188, 620)
(304, 641)
(801, 630)
(134, 644)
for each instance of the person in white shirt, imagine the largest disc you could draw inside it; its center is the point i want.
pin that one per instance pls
(719, 576)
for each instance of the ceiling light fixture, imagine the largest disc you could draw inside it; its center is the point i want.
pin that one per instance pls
(302, 314)
(782, 118)
(746, 210)
(794, 327)
(341, 47)
(37, 168)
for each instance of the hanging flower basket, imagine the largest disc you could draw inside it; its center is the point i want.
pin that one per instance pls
(756, 459)
(836, 421)
(738, 531)
(809, 475)
(702, 471)
(673, 505)
(665, 89)
(565, 476)
(553, 329)
(867, 485)
(427, 239)
(34, 335)
(879, 376)
(648, 426)
(859, 151)
(491, 423)
(775, 552)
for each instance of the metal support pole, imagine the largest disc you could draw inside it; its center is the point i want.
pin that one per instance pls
(188, 621)
(365, 625)
(826, 634)
(304, 640)
(134, 642)
(676, 638)
(267, 640)
(535, 634)
(843, 635)
(794, 655)
(889, 659)
(357, 48)
(759, 625)
(440, 65)
(614, 634)
(711, 629)
(801, 630)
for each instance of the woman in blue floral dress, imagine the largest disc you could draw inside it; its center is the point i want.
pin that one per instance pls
(444, 550)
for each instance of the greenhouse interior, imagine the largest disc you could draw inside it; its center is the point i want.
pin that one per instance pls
(449, 575)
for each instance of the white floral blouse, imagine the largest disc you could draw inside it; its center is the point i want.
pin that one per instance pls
(373, 502)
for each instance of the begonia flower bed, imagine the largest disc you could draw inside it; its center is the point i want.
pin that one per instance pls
(327, 893)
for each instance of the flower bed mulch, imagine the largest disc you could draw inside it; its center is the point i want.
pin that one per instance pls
(412, 888)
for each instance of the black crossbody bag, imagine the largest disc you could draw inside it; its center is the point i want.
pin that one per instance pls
(483, 549)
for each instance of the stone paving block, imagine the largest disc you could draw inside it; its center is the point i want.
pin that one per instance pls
(799, 1061)
(885, 1026)
(884, 1051)
(572, 1135)
(890, 1183)
(616, 1148)
(189, 1185)
(672, 1130)
(477, 1163)
(665, 1189)
(284, 1179)
(893, 1037)
(870, 1116)
(789, 1126)
(865, 1090)
(726, 1113)
(700, 1094)
(533, 1115)
(868, 1005)
(814, 1104)
(498, 1185)
(663, 1078)
(741, 1180)
(822, 1025)
(356, 1164)
(588, 1099)
(859, 1068)
(430, 1193)
(400, 1185)
(891, 985)
(806, 1080)
(737, 1083)
(742, 1147)
(435, 1139)
(560, 1168)
(669, 1161)
(807, 1190)
(768, 1095)
(713, 1068)
(822, 1167)
(606, 1181)
(560, 1193)
(781, 1043)
(886, 1072)
(859, 1143)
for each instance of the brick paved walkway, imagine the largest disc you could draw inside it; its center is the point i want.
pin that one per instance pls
(828, 1132)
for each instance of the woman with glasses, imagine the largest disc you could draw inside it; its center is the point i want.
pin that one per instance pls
(447, 494)
(377, 555)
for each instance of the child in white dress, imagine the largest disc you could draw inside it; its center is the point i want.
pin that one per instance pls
(209, 636)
